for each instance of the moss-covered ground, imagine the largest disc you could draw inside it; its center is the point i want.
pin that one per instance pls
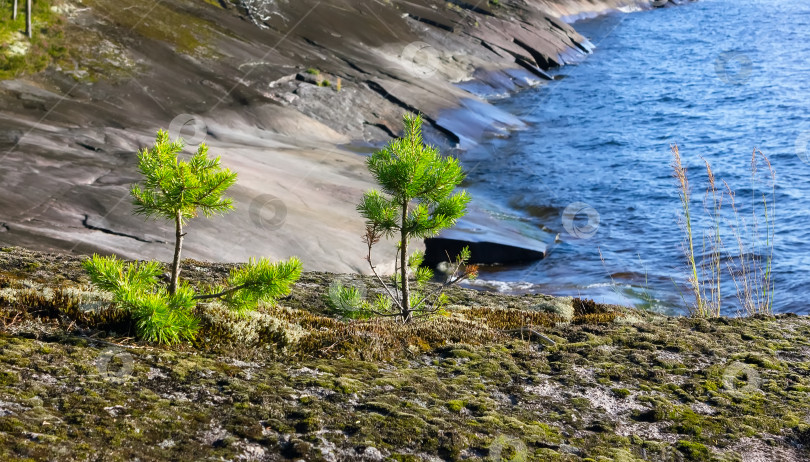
(20, 55)
(65, 37)
(599, 383)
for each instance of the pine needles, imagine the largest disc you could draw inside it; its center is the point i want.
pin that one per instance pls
(178, 190)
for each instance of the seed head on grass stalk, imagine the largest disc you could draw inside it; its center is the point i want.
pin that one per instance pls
(711, 270)
(699, 307)
(752, 277)
(751, 272)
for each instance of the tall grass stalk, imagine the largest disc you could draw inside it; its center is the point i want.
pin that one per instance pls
(699, 307)
(713, 244)
(750, 272)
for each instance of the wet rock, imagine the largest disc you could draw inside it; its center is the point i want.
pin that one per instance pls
(491, 241)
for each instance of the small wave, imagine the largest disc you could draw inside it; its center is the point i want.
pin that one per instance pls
(501, 286)
(602, 137)
(586, 15)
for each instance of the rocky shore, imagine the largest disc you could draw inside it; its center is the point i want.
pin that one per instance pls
(501, 378)
(288, 93)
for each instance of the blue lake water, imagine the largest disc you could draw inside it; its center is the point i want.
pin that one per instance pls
(717, 77)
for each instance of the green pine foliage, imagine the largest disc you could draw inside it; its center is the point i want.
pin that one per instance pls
(172, 186)
(260, 281)
(166, 318)
(347, 301)
(179, 190)
(417, 199)
(159, 316)
(417, 184)
(113, 275)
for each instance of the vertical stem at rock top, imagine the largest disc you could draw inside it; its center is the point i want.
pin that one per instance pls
(403, 262)
(28, 29)
(178, 246)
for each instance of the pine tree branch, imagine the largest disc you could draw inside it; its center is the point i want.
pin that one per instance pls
(223, 293)
(382, 283)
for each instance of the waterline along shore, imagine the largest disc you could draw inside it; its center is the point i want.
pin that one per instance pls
(286, 93)
(271, 335)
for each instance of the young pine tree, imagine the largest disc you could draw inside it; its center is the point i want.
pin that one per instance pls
(416, 200)
(178, 190)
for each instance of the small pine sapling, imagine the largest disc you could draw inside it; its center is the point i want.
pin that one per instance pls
(159, 316)
(179, 190)
(416, 200)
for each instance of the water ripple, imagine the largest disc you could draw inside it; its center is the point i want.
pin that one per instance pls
(602, 137)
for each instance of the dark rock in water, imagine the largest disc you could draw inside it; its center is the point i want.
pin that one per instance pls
(483, 252)
(491, 241)
(533, 69)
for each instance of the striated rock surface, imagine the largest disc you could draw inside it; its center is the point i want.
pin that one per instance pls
(276, 88)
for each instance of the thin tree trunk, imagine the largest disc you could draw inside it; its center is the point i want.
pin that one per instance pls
(14, 14)
(403, 263)
(178, 246)
(28, 19)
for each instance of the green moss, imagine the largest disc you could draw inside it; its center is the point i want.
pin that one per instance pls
(405, 458)
(476, 407)
(163, 22)
(693, 451)
(308, 425)
(465, 390)
(621, 392)
(462, 353)
(455, 405)
(8, 378)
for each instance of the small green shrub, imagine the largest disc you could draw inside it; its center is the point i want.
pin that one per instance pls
(416, 200)
(313, 71)
(347, 301)
(178, 190)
